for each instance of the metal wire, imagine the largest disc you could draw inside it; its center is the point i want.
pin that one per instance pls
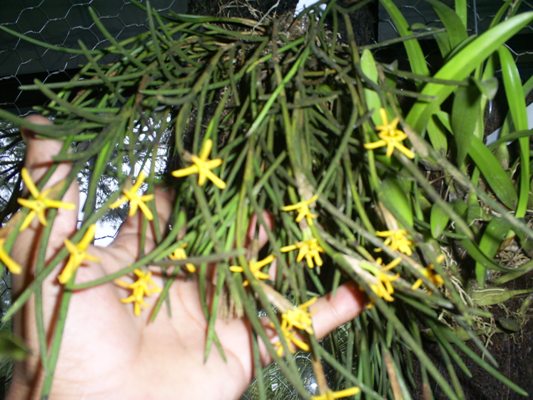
(61, 23)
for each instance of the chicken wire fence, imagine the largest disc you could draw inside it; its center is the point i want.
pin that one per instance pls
(65, 23)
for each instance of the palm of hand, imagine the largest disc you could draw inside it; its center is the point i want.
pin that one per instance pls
(131, 358)
(109, 353)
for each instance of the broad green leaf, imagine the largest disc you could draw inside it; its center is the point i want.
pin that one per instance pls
(517, 273)
(393, 196)
(499, 15)
(517, 108)
(487, 87)
(491, 296)
(455, 29)
(438, 132)
(490, 242)
(475, 212)
(461, 65)
(462, 11)
(478, 256)
(441, 38)
(465, 119)
(508, 324)
(498, 180)
(369, 68)
(412, 47)
(438, 221)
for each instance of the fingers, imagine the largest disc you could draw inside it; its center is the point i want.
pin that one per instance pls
(328, 313)
(257, 230)
(40, 153)
(127, 244)
(331, 311)
(38, 160)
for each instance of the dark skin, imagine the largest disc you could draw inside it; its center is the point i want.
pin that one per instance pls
(109, 353)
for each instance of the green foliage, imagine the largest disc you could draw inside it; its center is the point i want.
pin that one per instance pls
(290, 114)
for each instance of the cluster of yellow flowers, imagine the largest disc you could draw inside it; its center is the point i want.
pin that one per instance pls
(296, 322)
(397, 240)
(144, 285)
(308, 248)
(297, 318)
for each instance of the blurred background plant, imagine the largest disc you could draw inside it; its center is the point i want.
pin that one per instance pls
(292, 106)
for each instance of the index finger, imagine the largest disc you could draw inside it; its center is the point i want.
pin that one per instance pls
(37, 202)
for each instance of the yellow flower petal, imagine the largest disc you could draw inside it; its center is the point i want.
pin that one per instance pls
(397, 240)
(40, 202)
(181, 254)
(78, 254)
(390, 136)
(255, 268)
(329, 395)
(180, 173)
(302, 207)
(6, 259)
(144, 286)
(203, 166)
(136, 201)
(308, 249)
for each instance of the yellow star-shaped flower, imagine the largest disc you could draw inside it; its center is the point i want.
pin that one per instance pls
(329, 395)
(292, 338)
(382, 286)
(135, 200)
(299, 317)
(308, 249)
(181, 254)
(390, 136)
(202, 166)
(78, 254)
(255, 268)
(430, 273)
(6, 259)
(39, 203)
(397, 240)
(302, 207)
(143, 287)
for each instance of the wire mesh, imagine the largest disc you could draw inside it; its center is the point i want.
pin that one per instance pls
(419, 13)
(61, 23)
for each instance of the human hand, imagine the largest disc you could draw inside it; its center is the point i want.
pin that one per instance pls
(109, 353)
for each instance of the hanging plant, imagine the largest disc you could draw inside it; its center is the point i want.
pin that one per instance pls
(293, 172)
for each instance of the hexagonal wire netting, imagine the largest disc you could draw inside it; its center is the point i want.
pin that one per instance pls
(65, 22)
(62, 23)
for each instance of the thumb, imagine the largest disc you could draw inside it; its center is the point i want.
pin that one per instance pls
(38, 161)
